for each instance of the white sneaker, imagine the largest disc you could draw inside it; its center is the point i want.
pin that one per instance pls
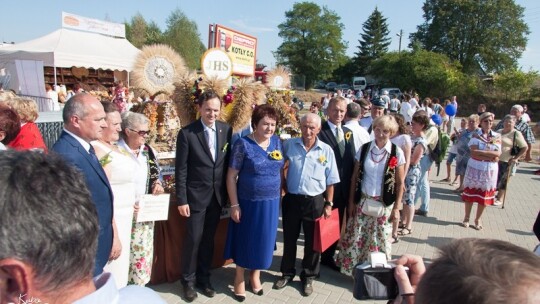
(497, 203)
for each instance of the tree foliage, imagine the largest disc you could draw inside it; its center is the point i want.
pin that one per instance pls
(374, 42)
(515, 84)
(183, 36)
(490, 34)
(313, 44)
(429, 73)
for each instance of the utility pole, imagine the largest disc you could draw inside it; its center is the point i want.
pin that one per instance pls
(399, 35)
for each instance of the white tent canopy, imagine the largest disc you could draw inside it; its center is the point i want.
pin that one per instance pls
(66, 48)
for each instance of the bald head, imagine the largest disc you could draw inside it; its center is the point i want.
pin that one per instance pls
(84, 116)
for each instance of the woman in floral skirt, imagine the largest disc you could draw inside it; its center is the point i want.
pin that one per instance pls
(378, 174)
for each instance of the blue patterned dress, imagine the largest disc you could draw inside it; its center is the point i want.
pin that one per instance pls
(251, 242)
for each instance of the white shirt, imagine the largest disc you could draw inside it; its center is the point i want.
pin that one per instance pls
(83, 143)
(360, 135)
(414, 103)
(394, 104)
(407, 111)
(526, 118)
(141, 172)
(374, 172)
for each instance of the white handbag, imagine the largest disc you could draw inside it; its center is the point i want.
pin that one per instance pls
(372, 207)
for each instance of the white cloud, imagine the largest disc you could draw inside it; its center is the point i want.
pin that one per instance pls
(253, 29)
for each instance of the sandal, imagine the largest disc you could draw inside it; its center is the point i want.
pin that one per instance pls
(465, 223)
(445, 180)
(401, 226)
(394, 239)
(478, 225)
(405, 231)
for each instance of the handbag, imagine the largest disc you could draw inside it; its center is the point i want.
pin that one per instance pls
(372, 207)
(515, 149)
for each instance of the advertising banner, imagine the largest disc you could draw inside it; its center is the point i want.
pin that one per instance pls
(240, 47)
(93, 25)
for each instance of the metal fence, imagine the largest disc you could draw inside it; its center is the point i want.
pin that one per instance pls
(50, 125)
(42, 102)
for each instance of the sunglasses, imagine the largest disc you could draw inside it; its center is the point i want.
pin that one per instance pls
(141, 133)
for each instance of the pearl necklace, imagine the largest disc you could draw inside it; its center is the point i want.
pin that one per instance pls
(264, 147)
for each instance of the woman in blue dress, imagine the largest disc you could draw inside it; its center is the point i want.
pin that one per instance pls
(254, 187)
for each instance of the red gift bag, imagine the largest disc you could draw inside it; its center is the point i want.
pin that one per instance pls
(326, 231)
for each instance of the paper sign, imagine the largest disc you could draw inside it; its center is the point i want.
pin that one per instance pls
(153, 208)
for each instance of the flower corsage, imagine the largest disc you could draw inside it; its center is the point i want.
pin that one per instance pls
(348, 136)
(391, 181)
(225, 147)
(106, 159)
(323, 160)
(275, 155)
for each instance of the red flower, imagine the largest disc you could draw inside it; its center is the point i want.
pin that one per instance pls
(393, 162)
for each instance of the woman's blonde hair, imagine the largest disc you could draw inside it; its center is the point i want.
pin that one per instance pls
(386, 122)
(25, 107)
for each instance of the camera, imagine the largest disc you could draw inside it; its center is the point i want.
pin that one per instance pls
(375, 279)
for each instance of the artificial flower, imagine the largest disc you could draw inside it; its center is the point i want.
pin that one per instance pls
(225, 147)
(106, 159)
(392, 163)
(348, 136)
(322, 160)
(275, 155)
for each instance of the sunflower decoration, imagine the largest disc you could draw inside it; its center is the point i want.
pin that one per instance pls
(323, 160)
(275, 155)
(348, 136)
(278, 78)
(157, 68)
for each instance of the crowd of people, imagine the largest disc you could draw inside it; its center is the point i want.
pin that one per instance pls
(370, 160)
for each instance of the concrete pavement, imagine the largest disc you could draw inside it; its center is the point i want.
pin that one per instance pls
(512, 224)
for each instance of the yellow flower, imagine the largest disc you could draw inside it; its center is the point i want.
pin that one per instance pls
(275, 155)
(322, 160)
(225, 147)
(105, 160)
(348, 136)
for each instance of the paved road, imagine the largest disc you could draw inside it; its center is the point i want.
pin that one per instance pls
(512, 224)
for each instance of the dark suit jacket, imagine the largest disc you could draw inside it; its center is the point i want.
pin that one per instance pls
(100, 189)
(345, 164)
(198, 177)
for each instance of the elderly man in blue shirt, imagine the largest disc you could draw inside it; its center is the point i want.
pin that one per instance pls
(312, 172)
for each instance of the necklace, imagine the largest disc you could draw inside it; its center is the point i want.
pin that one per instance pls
(375, 155)
(264, 147)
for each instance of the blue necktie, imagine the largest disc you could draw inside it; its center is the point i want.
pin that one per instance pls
(93, 155)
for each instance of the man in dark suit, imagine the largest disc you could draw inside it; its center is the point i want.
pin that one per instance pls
(84, 121)
(202, 158)
(340, 139)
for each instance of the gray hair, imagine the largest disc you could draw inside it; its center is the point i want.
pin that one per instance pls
(510, 116)
(311, 116)
(132, 120)
(518, 107)
(53, 228)
(353, 110)
(75, 107)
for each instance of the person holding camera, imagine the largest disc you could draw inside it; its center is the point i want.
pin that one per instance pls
(464, 273)
(513, 147)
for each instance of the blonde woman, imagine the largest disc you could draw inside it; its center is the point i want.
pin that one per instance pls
(29, 137)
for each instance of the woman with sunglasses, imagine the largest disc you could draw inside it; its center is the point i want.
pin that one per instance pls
(147, 181)
(480, 180)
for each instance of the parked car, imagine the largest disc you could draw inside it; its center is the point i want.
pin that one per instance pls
(343, 87)
(320, 85)
(331, 86)
(392, 91)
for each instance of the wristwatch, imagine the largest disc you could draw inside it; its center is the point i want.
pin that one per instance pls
(328, 203)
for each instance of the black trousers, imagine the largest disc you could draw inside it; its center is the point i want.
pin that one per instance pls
(198, 245)
(300, 211)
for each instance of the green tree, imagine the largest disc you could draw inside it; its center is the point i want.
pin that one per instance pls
(313, 44)
(487, 34)
(515, 84)
(429, 73)
(139, 32)
(374, 42)
(183, 36)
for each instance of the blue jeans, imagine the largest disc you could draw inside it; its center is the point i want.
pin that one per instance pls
(423, 189)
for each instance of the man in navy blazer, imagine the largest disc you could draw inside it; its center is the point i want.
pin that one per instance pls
(84, 120)
(202, 159)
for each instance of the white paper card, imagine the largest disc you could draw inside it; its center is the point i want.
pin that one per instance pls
(153, 208)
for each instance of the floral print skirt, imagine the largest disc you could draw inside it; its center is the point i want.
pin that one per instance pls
(364, 234)
(141, 253)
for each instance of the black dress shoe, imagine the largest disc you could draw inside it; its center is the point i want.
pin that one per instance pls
(330, 264)
(239, 298)
(420, 212)
(207, 290)
(281, 282)
(189, 293)
(307, 287)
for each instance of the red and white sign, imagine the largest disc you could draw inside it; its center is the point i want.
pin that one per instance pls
(241, 48)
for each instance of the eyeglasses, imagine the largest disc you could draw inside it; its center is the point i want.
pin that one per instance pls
(141, 132)
(490, 121)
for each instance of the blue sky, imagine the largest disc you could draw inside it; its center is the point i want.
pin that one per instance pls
(24, 20)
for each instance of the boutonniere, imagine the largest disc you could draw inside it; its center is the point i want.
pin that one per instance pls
(275, 155)
(323, 160)
(391, 180)
(106, 159)
(348, 136)
(145, 151)
(225, 147)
